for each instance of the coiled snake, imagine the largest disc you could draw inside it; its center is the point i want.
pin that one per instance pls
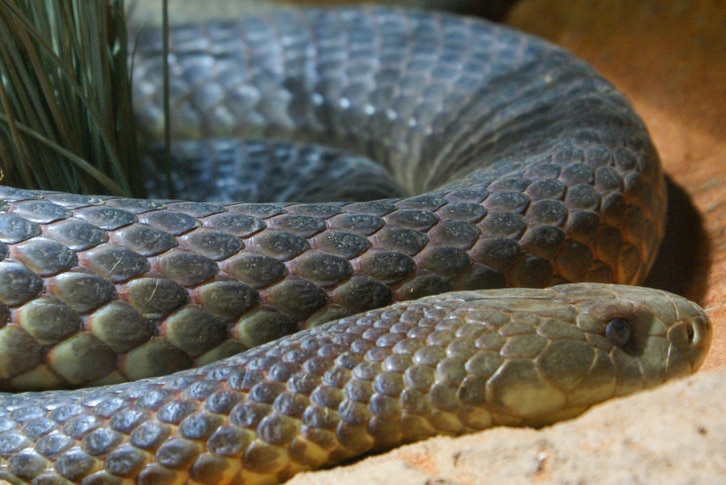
(531, 170)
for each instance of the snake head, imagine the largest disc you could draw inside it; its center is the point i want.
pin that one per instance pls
(602, 341)
(650, 335)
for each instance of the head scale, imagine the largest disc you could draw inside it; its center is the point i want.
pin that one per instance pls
(590, 342)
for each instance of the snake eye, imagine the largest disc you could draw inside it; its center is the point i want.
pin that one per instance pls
(618, 331)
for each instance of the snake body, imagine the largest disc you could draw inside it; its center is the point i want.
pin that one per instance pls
(530, 170)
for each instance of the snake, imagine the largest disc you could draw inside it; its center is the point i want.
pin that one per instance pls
(517, 166)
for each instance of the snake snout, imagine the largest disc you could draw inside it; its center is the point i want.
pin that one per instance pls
(650, 336)
(689, 337)
(669, 337)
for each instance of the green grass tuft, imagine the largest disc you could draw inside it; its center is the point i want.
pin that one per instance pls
(66, 121)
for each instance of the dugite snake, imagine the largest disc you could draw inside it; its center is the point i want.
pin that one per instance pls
(530, 170)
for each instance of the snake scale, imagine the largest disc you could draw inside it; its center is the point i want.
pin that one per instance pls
(522, 167)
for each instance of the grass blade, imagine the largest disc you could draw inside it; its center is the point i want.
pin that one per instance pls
(65, 97)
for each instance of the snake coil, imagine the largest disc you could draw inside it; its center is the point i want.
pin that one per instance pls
(522, 167)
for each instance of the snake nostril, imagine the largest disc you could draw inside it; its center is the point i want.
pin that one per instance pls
(690, 333)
